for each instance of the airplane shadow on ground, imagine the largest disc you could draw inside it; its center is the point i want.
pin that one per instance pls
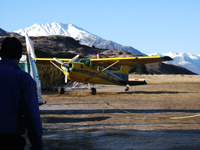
(71, 120)
(172, 139)
(106, 111)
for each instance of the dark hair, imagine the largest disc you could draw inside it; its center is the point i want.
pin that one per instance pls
(11, 48)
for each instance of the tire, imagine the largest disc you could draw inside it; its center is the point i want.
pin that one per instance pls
(61, 90)
(93, 91)
(127, 89)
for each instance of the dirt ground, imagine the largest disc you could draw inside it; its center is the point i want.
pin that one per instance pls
(163, 115)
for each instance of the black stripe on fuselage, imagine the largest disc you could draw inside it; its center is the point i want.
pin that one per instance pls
(109, 77)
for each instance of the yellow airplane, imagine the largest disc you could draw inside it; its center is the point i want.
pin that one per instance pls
(93, 71)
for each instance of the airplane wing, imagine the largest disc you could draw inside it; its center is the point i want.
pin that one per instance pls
(48, 60)
(130, 60)
(121, 60)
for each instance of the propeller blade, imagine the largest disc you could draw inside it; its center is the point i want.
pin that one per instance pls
(66, 75)
(66, 64)
(73, 59)
(58, 61)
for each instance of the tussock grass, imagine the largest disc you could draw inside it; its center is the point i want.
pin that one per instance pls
(50, 76)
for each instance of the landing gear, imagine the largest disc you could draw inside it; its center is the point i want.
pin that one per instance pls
(61, 90)
(127, 89)
(93, 91)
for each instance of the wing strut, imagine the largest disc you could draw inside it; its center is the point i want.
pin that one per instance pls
(103, 70)
(56, 66)
(68, 84)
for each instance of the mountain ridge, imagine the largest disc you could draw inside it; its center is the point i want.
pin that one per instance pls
(91, 40)
(67, 47)
(85, 37)
(186, 60)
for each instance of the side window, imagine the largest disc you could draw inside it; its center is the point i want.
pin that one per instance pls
(86, 62)
(95, 67)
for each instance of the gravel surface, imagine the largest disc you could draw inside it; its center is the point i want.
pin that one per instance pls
(142, 118)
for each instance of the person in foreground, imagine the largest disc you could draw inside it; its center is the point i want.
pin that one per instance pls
(19, 109)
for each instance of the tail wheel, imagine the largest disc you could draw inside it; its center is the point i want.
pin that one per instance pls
(93, 91)
(61, 90)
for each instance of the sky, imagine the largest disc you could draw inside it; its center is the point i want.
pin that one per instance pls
(149, 26)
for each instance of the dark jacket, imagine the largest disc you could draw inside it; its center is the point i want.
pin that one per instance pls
(19, 110)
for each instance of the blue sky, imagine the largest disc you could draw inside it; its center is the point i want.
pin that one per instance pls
(147, 25)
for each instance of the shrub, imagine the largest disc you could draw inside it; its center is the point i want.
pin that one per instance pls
(50, 76)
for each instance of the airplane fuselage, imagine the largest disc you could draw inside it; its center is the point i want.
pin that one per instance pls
(86, 74)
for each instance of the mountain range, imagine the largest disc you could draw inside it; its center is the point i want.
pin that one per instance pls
(186, 60)
(67, 47)
(84, 37)
(189, 61)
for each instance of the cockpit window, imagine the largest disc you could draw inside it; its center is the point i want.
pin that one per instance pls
(84, 61)
(77, 60)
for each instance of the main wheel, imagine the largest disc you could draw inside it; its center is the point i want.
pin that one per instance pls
(61, 90)
(93, 91)
(127, 88)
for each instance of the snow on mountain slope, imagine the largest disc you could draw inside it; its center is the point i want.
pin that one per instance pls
(187, 60)
(85, 37)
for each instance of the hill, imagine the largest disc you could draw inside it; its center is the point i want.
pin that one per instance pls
(4, 33)
(163, 68)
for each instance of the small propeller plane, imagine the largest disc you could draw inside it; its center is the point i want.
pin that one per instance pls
(93, 71)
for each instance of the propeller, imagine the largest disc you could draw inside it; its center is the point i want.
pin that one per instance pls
(66, 65)
(58, 61)
(66, 75)
(73, 59)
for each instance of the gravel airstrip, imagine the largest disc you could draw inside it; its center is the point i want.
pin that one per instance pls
(163, 115)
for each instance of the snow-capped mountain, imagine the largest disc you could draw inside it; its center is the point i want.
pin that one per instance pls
(85, 37)
(187, 60)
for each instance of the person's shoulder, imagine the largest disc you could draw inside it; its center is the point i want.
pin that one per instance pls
(25, 75)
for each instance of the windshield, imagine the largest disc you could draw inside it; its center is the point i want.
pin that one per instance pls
(85, 61)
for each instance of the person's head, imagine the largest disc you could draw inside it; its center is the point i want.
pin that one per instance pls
(11, 48)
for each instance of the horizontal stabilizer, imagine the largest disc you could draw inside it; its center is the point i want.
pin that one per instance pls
(134, 82)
